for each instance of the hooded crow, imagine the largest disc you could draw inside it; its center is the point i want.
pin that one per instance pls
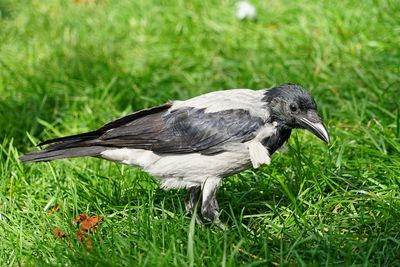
(195, 143)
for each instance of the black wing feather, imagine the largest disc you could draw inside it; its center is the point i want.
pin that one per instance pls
(113, 124)
(184, 130)
(162, 130)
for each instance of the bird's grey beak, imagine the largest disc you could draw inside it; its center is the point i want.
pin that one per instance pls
(315, 126)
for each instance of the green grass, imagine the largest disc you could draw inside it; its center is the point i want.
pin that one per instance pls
(66, 68)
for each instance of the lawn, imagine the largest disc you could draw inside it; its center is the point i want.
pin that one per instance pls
(70, 66)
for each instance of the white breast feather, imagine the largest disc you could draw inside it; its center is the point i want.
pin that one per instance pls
(258, 153)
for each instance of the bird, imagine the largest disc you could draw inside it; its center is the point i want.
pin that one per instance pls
(194, 144)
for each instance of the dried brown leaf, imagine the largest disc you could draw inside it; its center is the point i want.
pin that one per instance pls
(80, 218)
(58, 232)
(90, 224)
(81, 236)
(242, 251)
(87, 225)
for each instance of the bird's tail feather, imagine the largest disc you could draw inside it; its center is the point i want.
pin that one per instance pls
(52, 153)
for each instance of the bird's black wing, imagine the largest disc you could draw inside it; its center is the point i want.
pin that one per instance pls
(159, 129)
(111, 125)
(183, 130)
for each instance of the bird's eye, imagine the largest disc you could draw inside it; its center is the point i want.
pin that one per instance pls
(293, 107)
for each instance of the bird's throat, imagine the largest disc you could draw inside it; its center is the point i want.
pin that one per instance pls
(275, 141)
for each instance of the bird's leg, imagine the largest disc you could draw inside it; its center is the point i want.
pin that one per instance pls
(191, 200)
(209, 205)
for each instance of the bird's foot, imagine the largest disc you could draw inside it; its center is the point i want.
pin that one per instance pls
(212, 215)
(221, 225)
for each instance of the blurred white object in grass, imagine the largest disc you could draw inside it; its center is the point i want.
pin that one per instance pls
(245, 10)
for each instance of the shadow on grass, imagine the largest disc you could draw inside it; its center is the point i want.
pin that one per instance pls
(49, 91)
(68, 82)
(5, 9)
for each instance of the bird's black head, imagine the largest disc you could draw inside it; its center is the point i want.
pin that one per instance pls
(293, 107)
